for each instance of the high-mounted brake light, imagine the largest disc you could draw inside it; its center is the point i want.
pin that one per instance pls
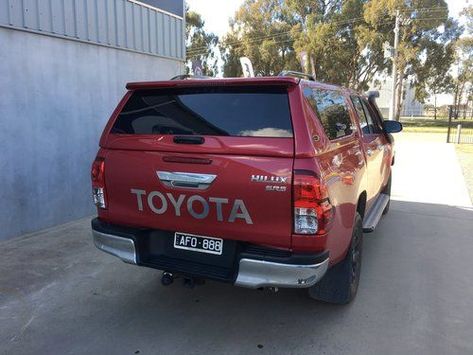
(98, 182)
(313, 212)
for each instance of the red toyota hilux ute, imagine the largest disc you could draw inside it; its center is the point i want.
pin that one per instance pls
(261, 182)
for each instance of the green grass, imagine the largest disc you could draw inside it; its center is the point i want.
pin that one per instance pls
(429, 125)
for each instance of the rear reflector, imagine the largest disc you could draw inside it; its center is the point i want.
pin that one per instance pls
(98, 182)
(313, 212)
(99, 197)
(305, 221)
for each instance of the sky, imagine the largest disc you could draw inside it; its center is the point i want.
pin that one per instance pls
(216, 13)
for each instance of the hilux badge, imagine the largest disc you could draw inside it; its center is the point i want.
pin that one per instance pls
(269, 179)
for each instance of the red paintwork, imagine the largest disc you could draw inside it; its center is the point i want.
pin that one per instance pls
(342, 165)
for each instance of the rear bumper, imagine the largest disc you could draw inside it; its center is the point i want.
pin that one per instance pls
(123, 248)
(257, 273)
(245, 265)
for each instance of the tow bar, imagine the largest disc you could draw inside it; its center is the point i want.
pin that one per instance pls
(190, 282)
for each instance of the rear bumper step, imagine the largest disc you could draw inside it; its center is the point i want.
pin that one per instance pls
(120, 247)
(257, 273)
(248, 268)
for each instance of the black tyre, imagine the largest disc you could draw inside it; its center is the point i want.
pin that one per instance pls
(387, 191)
(340, 284)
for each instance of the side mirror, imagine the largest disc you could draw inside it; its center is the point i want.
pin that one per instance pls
(392, 126)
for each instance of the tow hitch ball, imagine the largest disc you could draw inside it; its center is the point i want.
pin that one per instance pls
(167, 279)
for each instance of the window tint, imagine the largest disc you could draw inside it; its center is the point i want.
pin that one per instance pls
(364, 123)
(331, 109)
(221, 111)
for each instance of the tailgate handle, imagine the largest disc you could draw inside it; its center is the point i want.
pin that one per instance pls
(188, 180)
(188, 140)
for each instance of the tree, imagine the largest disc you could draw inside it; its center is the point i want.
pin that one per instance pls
(463, 82)
(344, 48)
(433, 77)
(260, 31)
(464, 78)
(273, 32)
(426, 29)
(468, 13)
(469, 99)
(200, 45)
(344, 41)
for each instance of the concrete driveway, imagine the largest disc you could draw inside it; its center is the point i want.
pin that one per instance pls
(427, 170)
(59, 295)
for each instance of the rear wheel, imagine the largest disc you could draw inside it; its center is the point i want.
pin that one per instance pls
(340, 284)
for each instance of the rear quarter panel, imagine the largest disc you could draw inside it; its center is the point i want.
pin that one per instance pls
(344, 173)
(340, 164)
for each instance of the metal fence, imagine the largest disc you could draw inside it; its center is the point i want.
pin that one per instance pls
(457, 132)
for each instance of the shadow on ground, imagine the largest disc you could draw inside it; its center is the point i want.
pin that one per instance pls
(59, 294)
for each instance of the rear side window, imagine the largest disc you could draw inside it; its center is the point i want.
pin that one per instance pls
(331, 108)
(217, 111)
(365, 121)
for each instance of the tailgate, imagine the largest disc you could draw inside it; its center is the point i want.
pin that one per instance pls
(214, 162)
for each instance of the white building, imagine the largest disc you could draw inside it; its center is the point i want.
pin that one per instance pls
(410, 107)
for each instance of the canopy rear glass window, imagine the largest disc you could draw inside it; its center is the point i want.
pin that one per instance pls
(217, 111)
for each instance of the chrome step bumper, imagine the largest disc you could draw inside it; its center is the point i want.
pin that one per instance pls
(120, 247)
(252, 273)
(257, 273)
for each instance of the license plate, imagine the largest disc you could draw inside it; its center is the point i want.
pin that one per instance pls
(198, 243)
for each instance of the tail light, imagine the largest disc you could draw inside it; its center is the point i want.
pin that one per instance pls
(313, 212)
(98, 182)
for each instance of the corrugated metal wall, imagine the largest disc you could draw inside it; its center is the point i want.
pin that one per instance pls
(116, 23)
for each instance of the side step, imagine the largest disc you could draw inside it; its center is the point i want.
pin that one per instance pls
(374, 215)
